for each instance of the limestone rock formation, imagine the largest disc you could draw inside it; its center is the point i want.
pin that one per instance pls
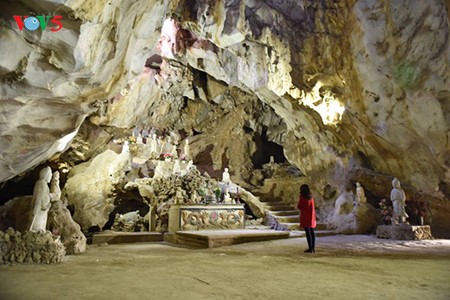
(350, 219)
(130, 222)
(404, 232)
(16, 214)
(253, 202)
(332, 85)
(60, 223)
(91, 186)
(30, 247)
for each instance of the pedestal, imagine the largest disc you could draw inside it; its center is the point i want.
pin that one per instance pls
(210, 216)
(404, 232)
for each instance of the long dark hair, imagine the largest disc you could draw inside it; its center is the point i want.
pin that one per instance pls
(305, 192)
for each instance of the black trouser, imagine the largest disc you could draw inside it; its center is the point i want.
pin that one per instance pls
(310, 237)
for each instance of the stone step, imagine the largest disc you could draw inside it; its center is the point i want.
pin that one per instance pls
(219, 238)
(283, 212)
(113, 237)
(288, 219)
(319, 233)
(278, 207)
(263, 199)
(296, 226)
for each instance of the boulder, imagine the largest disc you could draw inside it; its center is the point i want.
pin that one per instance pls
(350, 219)
(16, 213)
(404, 232)
(256, 206)
(91, 187)
(60, 223)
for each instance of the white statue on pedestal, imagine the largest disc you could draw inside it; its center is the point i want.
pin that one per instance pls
(226, 198)
(144, 132)
(158, 170)
(139, 139)
(272, 160)
(176, 167)
(226, 176)
(136, 131)
(41, 201)
(187, 150)
(55, 190)
(153, 144)
(360, 195)
(398, 199)
(174, 151)
(126, 147)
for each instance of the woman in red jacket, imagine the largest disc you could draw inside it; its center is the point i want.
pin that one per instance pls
(307, 216)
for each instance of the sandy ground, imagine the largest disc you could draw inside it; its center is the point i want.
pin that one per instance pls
(344, 267)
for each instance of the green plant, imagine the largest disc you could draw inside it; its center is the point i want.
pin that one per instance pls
(386, 211)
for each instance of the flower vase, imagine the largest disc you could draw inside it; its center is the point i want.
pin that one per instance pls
(167, 158)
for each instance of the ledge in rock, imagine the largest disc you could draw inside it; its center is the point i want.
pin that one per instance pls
(404, 232)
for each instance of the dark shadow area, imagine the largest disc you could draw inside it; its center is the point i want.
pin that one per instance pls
(127, 202)
(266, 149)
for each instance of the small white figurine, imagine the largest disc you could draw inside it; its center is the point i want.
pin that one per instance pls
(174, 151)
(153, 144)
(139, 139)
(55, 190)
(226, 176)
(176, 167)
(189, 165)
(126, 147)
(226, 198)
(398, 199)
(187, 150)
(360, 195)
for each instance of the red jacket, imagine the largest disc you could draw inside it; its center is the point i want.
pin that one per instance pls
(307, 212)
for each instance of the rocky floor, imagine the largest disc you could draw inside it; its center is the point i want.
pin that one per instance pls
(344, 267)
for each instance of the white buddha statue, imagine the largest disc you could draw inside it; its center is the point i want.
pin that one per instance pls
(360, 195)
(139, 139)
(398, 199)
(153, 144)
(126, 147)
(176, 167)
(174, 151)
(226, 197)
(226, 176)
(41, 201)
(187, 150)
(136, 131)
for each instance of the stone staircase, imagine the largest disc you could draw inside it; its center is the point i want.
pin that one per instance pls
(285, 217)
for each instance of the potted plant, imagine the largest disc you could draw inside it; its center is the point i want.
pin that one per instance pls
(386, 212)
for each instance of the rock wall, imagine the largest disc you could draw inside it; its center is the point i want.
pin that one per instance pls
(337, 85)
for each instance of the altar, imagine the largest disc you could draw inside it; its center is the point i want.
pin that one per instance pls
(206, 217)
